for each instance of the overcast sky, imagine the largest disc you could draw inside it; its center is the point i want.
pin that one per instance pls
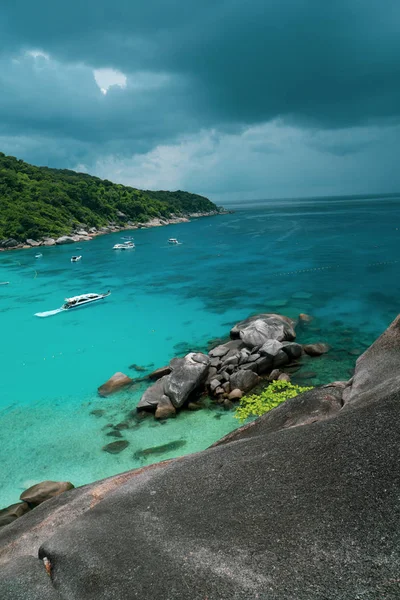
(232, 99)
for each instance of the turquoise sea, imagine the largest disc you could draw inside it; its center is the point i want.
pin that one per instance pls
(336, 259)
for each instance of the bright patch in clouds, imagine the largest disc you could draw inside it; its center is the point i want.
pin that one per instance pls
(105, 78)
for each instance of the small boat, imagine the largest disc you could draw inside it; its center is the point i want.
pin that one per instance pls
(126, 237)
(74, 302)
(38, 255)
(77, 301)
(124, 246)
(4, 282)
(173, 241)
(75, 258)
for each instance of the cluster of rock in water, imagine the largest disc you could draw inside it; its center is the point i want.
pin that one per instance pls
(83, 233)
(259, 348)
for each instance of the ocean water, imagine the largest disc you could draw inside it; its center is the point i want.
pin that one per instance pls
(335, 259)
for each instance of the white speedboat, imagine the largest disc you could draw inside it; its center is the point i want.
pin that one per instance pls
(82, 300)
(76, 258)
(4, 282)
(74, 302)
(173, 241)
(38, 255)
(124, 246)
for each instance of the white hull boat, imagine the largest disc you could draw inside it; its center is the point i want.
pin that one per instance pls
(124, 246)
(76, 258)
(173, 241)
(75, 302)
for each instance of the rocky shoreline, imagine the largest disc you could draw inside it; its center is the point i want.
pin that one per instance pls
(83, 233)
(302, 502)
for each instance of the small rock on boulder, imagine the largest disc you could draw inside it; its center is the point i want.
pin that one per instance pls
(115, 383)
(316, 349)
(45, 490)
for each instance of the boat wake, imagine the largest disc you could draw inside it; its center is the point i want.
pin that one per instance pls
(49, 313)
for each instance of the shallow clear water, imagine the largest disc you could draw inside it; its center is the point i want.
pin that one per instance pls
(340, 258)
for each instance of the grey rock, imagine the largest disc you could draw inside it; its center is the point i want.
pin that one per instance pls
(274, 375)
(215, 362)
(227, 350)
(244, 380)
(218, 391)
(153, 395)
(186, 377)
(275, 323)
(65, 239)
(212, 371)
(33, 243)
(252, 366)
(264, 364)
(280, 359)
(214, 384)
(49, 242)
(9, 243)
(231, 360)
(271, 348)
(225, 376)
(292, 349)
(253, 357)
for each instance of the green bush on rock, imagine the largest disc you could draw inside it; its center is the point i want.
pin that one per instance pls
(277, 392)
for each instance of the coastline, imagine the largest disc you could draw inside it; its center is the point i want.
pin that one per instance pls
(83, 233)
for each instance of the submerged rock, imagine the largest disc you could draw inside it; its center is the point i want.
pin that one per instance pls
(116, 447)
(44, 491)
(316, 349)
(115, 383)
(156, 450)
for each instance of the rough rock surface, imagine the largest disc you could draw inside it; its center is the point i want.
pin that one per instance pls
(281, 327)
(300, 504)
(115, 383)
(165, 408)
(45, 490)
(244, 380)
(186, 376)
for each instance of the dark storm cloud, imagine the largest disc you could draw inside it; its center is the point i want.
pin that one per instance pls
(332, 63)
(215, 65)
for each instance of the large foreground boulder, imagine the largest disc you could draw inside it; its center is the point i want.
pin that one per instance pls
(301, 504)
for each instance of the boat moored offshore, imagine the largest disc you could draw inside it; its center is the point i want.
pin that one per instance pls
(173, 241)
(75, 258)
(82, 300)
(124, 246)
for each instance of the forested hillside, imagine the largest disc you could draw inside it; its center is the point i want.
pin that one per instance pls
(38, 201)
